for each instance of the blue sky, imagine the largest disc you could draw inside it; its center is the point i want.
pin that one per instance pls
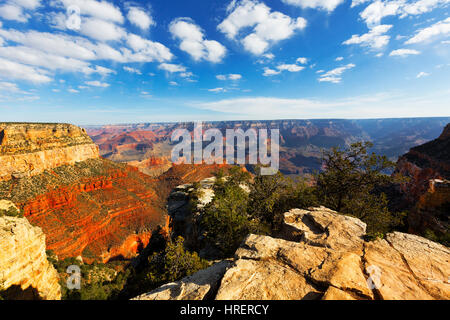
(100, 62)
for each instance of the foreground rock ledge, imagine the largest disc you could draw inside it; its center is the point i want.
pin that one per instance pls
(321, 254)
(25, 272)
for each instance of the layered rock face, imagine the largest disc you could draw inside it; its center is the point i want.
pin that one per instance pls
(87, 206)
(428, 189)
(321, 254)
(25, 272)
(29, 149)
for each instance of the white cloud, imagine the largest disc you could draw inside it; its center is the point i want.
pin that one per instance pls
(422, 74)
(267, 27)
(146, 50)
(101, 30)
(217, 90)
(435, 30)
(377, 10)
(73, 90)
(140, 18)
(13, 12)
(290, 67)
(173, 83)
(231, 76)
(172, 68)
(328, 5)
(15, 71)
(132, 70)
(421, 6)
(302, 60)
(194, 43)
(339, 59)
(381, 105)
(358, 2)
(270, 72)
(282, 67)
(334, 75)
(97, 84)
(100, 9)
(27, 4)
(9, 87)
(404, 52)
(375, 38)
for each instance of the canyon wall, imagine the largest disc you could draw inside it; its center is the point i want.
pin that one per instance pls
(25, 272)
(427, 190)
(30, 149)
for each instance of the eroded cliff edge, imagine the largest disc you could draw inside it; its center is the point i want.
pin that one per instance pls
(28, 149)
(25, 272)
(321, 254)
(87, 206)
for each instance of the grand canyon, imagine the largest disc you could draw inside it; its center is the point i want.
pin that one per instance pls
(235, 152)
(103, 202)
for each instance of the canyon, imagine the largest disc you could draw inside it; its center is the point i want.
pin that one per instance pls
(302, 142)
(88, 207)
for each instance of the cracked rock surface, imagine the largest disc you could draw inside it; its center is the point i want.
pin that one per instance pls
(321, 254)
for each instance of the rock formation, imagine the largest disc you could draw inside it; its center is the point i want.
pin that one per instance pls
(25, 272)
(29, 149)
(320, 254)
(428, 190)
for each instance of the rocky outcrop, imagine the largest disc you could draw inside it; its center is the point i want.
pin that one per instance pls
(30, 149)
(201, 285)
(427, 192)
(25, 272)
(320, 254)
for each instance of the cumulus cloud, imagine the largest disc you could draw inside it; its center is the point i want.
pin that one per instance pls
(375, 38)
(282, 67)
(302, 60)
(101, 30)
(328, 5)
(10, 11)
(339, 59)
(334, 75)
(377, 10)
(404, 52)
(172, 68)
(99, 9)
(267, 26)
(435, 30)
(140, 18)
(192, 41)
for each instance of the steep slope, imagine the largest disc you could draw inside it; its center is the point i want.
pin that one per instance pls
(25, 272)
(321, 254)
(27, 149)
(428, 190)
(87, 206)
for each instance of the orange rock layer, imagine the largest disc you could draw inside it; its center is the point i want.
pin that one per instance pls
(102, 218)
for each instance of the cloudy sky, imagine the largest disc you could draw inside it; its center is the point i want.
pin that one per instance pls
(99, 62)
